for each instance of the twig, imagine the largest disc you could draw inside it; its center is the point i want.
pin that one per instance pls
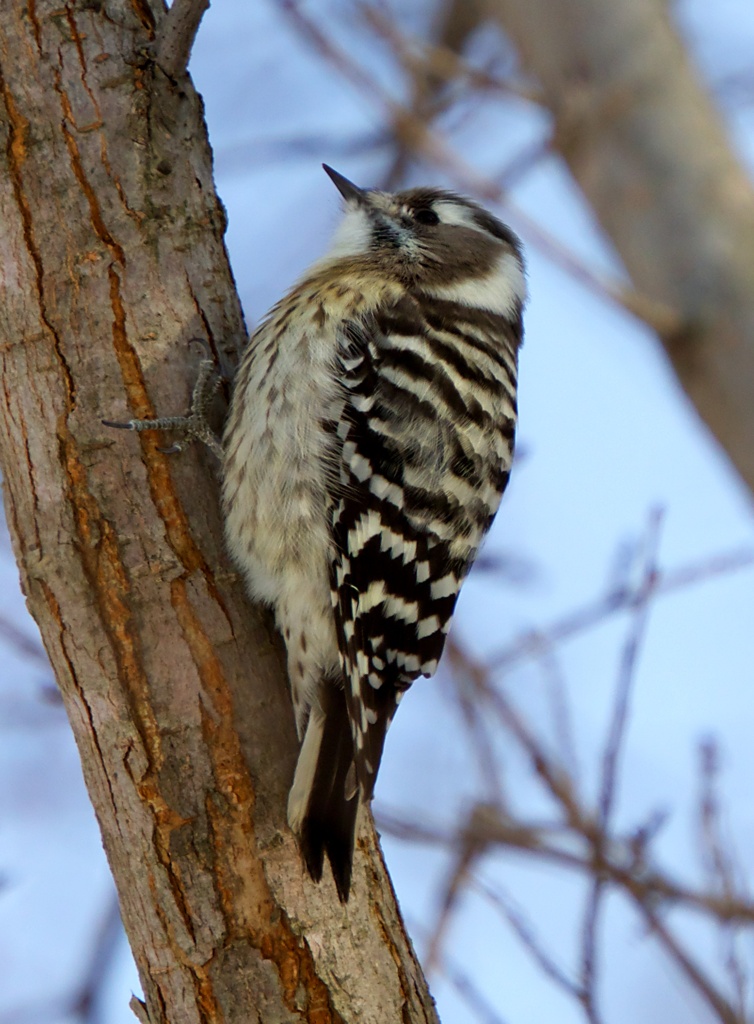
(25, 645)
(86, 1004)
(718, 1003)
(176, 35)
(240, 155)
(441, 61)
(463, 984)
(523, 162)
(470, 845)
(415, 134)
(596, 612)
(721, 867)
(626, 676)
(526, 935)
(619, 862)
(468, 991)
(644, 891)
(561, 716)
(589, 948)
(610, 759)
(557, 781)
(433, 68)
(481, 744)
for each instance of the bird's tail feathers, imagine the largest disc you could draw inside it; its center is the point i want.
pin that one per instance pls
(323, 802)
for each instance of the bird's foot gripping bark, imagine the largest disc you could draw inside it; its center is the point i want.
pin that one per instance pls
(195, 425)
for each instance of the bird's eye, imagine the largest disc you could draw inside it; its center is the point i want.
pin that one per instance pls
(426, 216)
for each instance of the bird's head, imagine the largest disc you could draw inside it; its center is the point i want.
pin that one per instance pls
(427, 237)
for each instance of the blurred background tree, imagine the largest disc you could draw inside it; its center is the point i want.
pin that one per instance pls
(550, 805)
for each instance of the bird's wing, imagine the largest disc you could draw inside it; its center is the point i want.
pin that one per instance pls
(415, 498)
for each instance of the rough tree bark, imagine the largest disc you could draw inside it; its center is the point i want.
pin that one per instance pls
(649, 151)
(111, 259)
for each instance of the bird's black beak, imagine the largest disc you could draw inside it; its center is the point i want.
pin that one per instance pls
(349, 191)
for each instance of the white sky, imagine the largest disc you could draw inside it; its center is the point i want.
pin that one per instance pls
(607, 436)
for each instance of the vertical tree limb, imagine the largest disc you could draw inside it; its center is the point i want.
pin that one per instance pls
(111, 259)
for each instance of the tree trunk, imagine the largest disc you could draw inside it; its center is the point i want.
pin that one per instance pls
(649, 151)
(112, 259)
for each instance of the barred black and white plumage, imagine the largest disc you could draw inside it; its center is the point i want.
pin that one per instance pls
(369, 442)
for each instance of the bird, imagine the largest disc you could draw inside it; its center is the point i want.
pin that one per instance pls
(368, 443)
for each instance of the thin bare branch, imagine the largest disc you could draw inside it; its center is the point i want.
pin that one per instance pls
(514, 917)
(480, 744)
(442, 59)
(648, 892)
(25, 645)
(176, 35)
(618, 600)
(589, 949)
(462, 983)
(715, 1000)
(415, 134)
(436, 70)
(471, 995)
(238, 156)
(87, 1005)
(561, 714)
(555, 778)
(626, 676)
(554, 845)
(610, 761)
(723, 873)
(469, 846)
(523, 163)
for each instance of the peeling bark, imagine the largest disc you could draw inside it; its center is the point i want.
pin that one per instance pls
(649, 151)
(111, 260)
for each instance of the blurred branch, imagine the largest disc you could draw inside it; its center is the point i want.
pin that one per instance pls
(413, 133)
(581, 837)
(695, 974)
(240, 155)
(435, 67)
(469, 992)
(722, 870)
(623, 858)
(88, 1004)
(23, 644)
(533, 642)
(481, 743)
(529, 940)
(621, 861)
(441, 60)
(610, 761)
(462, 983)
(643, 140)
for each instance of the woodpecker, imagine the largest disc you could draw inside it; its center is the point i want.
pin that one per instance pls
(368, 444)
